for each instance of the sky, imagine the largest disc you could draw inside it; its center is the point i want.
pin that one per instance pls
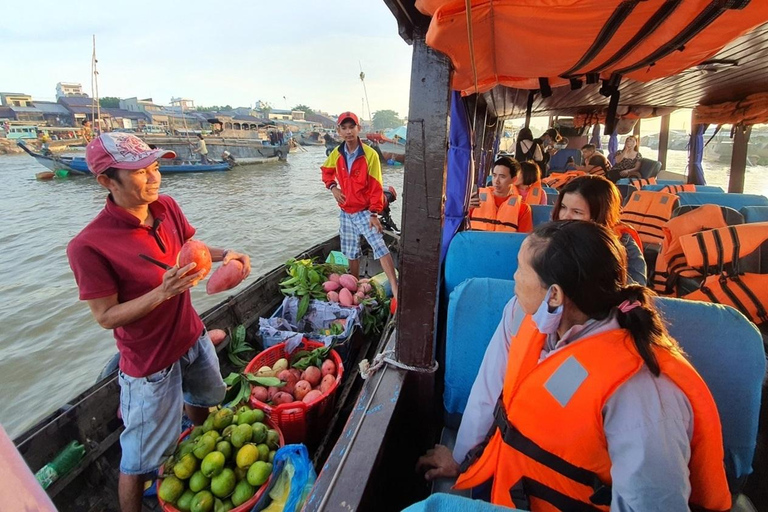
(307, 51)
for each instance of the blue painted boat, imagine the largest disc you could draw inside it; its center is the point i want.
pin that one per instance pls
(78, 166)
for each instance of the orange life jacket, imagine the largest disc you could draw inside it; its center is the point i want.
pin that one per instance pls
(671, 262)
(558, 179)
(721, 252)
(487, 217)
(675, 189)
(548, 451)
(534, 194)
(639, 183)
(647, 211)
(621, 229)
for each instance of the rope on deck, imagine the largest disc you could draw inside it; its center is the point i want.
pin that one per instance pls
(386, 357)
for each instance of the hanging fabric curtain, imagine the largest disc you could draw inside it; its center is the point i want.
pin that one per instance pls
(613, 147)
(695, 155)
(459, 173)
(595, 136)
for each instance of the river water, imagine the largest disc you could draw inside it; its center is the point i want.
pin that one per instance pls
(51, 349)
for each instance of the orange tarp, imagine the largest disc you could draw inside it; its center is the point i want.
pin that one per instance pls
(518, 41)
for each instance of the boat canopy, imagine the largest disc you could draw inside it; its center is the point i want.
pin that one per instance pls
(519, 43)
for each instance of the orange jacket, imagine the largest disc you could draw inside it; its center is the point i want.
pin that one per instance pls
(535, 195)
(512, 215)
(361, 185)
(542, 448)
(620, 229)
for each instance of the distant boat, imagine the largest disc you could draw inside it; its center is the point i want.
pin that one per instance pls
(77, 165)
(314, 138)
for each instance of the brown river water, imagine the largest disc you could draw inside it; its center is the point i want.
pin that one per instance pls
(51, 349)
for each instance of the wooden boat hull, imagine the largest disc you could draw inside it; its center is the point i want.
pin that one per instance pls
(91, 417)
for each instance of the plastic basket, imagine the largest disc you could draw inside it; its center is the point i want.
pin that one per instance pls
(248, 505)
(299, 422)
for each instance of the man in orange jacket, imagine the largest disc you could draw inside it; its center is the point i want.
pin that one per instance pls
(352, 172)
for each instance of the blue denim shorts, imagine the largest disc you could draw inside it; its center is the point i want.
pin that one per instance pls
(152, 406)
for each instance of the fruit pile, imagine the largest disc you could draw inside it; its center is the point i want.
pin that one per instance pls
(311, 376)
(221, 464)
(347, 290)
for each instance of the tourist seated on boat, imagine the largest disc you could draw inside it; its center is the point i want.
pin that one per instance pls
(584, 397)
(627, 161)
(527, 149)
(528, 184)
(594, 161)
(551, 141)
(597, 199)
(498, 207)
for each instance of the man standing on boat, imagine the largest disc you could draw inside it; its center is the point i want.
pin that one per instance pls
(87, 131)
(167, 361)
(352, 172)
(202, 149)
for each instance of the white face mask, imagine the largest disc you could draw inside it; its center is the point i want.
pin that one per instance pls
(547, 321)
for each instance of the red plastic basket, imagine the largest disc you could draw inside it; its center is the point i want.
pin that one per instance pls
(299, 422)
(245, 507)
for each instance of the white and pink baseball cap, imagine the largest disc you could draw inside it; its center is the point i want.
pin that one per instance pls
(121, 151)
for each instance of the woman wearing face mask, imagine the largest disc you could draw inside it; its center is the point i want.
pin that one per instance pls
(498, 208)
(583, 401)
(528, 184)
(597, 199)
(628, 161)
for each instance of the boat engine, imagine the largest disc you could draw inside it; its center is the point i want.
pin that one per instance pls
(390, 196)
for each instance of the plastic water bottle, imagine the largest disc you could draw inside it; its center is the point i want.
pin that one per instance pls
(64, 462)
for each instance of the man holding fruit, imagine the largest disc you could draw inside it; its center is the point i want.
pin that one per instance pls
(167, 360)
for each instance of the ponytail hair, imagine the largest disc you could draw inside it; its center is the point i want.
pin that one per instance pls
(588, 262)
(638, 314)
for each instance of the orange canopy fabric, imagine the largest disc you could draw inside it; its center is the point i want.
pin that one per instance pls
(518, 41)
(751, 110)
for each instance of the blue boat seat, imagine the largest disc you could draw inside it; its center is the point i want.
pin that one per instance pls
(441, 502)
(481, 254)
(474, 311)
(559, 160)
(541, 213)
(755, 213)
(699, 188)
(735, 201)
(727, 350)
(552, 194)
(625, 181)
(649, 168)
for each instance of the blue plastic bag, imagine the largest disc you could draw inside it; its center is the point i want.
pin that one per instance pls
(293, 477)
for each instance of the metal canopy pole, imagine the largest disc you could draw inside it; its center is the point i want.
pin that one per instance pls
(664, 141)
(425, 164)
(739, 158)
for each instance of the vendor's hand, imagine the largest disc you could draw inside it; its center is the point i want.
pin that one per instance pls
(438, 463)
(339, 195)
(178, 280)
(474, 200)
(243, 258)
(375, 223)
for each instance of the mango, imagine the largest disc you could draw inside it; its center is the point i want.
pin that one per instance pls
(224, 483)
(241, 435)
(223, 419)
(202, 502)
(171, 489)
(225, 447)
(204, 446)
(199, 481)
(213, 464)
(246, 456)
(184, 503)
(259, 473)
(243, 492)
(273, 439)
(185, 467)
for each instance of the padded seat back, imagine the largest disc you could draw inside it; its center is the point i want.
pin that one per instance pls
(559, 161)
(731, 216)
(668, 187)
(481, 254)
(552, 194)
(755, 213)
(541, 213)
(474, 311)
(727, 351)
(649, 168)
(735, 201)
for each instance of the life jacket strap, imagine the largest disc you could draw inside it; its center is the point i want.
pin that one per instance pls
(519, 442)
(493, 221)
(527, 488)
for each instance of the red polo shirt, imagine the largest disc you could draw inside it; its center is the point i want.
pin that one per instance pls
(104, 257)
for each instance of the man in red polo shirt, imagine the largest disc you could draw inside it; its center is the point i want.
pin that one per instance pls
(167, 360)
